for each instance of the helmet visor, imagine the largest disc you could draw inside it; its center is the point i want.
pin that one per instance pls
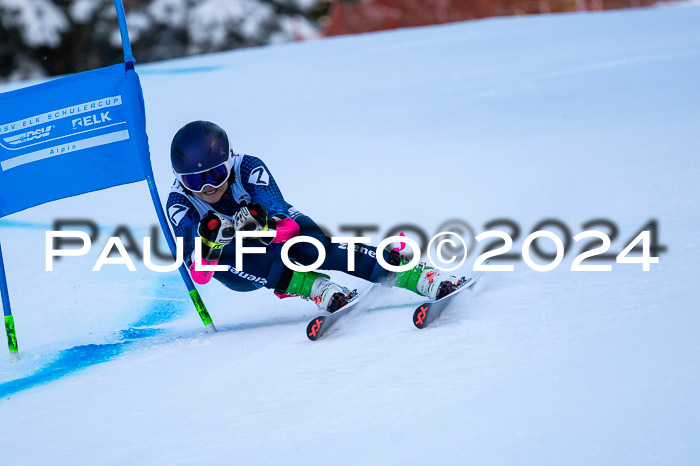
(214, 177)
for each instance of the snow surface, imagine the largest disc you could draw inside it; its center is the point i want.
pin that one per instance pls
(575, 116)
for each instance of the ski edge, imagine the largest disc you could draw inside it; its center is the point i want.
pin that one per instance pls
(318, 326)
(427, 312)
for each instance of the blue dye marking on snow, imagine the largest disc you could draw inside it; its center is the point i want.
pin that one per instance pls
(68, 361)
(77, 358)
(136, 333)
(165, 311)
(193, 69)
(4, 223)
(74, 359)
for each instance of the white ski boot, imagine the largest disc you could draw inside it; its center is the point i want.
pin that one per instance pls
(427, 281)
(328, 295)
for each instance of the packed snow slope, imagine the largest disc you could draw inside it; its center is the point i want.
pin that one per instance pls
(573, 117)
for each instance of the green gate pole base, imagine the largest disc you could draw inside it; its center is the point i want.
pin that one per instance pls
(202, 310)
(11, 338)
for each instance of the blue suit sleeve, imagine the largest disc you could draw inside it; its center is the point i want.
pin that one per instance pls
(184, 219)
(262, 187)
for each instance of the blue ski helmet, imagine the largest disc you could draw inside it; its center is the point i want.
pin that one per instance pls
(197, 147)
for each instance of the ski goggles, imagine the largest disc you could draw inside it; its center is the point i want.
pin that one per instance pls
(214, 177)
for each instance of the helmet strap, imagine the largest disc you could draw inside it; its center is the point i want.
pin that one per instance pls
(187, 191)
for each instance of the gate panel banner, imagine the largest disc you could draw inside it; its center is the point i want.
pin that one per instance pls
(71, 136)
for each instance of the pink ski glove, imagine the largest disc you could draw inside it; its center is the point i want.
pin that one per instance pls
(286, 228)
(201, 277)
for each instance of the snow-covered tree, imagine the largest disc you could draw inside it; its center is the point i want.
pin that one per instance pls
(49, 37)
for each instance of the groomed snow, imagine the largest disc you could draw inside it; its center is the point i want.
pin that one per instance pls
(576, 117)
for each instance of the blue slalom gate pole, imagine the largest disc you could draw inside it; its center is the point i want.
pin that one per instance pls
(146, 164)
(126, 44)
(9, 320)
(194, 294)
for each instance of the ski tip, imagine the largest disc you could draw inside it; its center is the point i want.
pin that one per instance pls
(313, 330)
(419, 316)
